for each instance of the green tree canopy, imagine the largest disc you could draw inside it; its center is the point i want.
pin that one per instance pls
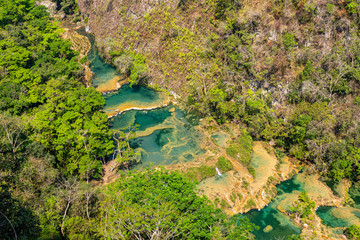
(162, 205)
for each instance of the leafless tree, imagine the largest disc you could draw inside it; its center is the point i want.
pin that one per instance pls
(12, 226)
(13, 128)
(124, 221)
(89, 194)
(69, 190)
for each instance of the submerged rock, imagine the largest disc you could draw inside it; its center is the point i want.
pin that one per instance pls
(268, 228)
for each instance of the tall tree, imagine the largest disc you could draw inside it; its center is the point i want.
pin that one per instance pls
(162, 205)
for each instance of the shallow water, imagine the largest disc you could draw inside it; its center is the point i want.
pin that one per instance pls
(104, 72)
(145, 119)
(135, 97)
(216, 185)
(325, 213)
(338, 218)
(263, 163)
(342, 216)
(221, 138)
(270, 215)
(165, 135)
(288, 192)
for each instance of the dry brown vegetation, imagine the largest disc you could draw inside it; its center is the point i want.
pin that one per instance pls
(289, 70)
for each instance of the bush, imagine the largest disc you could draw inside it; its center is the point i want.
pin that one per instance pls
(251, 170)
(352, 7)
(289, 40)
(353, 232)
(133, 65)
(303, 206)
(134, 205)
(357, 100)
(224, 204)
(240, 196)
(233, 197)
(241, 148)
(250, 203)
(200, 173)
(224, 164)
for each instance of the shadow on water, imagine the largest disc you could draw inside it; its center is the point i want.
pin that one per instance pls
(289, 186)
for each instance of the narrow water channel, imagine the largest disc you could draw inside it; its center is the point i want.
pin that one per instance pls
(167, 135)
(338, 218)
(273, 224)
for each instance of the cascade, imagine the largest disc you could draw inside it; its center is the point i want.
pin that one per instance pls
(166, 135)
(165, 132)
(218, 172)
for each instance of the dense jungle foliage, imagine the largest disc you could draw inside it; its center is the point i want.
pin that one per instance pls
(53, 142)
(287, 70)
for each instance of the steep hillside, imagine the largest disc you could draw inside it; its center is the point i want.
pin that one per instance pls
(289, 70)
(171, 35)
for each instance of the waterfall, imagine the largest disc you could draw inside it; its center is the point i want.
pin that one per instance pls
(218, 172)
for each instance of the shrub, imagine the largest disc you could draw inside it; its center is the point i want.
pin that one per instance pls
(251, 170)
(289, 40)
(200, 173)
(241, 148)
(250, 203)
(352, 7)
(224, 204)
(353, 232)
(224, 164)
(133, 65)
(303, 206)
(357, 100)
(240, 196)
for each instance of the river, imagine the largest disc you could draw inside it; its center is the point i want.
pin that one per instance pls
(167, 134)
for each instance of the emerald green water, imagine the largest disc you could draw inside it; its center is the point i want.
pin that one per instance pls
(325, 213)
(126, 97)
(270, 215)
(168, 135)
(346, 216)
(103, 71)
(221, 138)
(145, 119)
(165, 135)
